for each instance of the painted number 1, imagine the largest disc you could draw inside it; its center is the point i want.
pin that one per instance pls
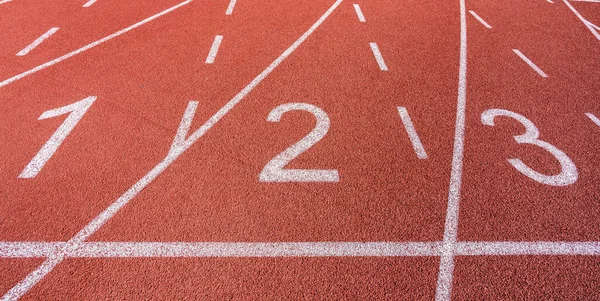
(76, 110)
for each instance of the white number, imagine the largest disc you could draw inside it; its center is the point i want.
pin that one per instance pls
(274, 172)
(76, 110)
(568, 174)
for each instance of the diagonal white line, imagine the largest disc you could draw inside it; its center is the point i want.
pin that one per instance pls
(530, 63)
(92, 45)
(230, 7)
(474, 14)
(593, 118)
(359, 13)
(38, 41)
(89, 3)
(583, 20)
(33, 278)
(213, 50)
(378, 57)
(412, 133)
(4, 1)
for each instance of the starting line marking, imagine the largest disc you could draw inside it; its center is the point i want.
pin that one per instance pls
(530, 63)
(359, 13)
(92, 45)
(412, 133)
(378, 57)
(177, 148)
(213, 50)
(593, 118)
(38, 41)
(292, 249)
(230, 7)
(89, 3)
(480, 19)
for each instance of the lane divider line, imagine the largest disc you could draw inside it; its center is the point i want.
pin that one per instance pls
(593, 118)
(38, 41)
(176, 150)
(480, 19)
(230, 7)
(378, 57)
(591, 26)
(89, 3)
(295, 249)
(213, 50)
(359, 13)
(530, 63)
(89, 46)
(443, 290)
(412, 133)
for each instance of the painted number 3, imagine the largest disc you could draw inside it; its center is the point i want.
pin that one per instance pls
(568, 173)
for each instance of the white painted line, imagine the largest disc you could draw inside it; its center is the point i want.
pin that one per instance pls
(4, 1)
(32, 279)
(89, 3)
(593, 118)
(213, 50)
(38, 41)
(480, 19)
(446, 273)
(527, 248)
(591, 26)
(359, 13)
(378, 57)
(412, 133)
(92, 45)
(594, 1)
(530, 63)
(549, 1)
(230, 7)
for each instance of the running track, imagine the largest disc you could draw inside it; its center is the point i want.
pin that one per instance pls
(300, 149)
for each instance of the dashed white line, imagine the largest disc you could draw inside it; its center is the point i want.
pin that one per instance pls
(89, 3)
(550, 1)
(446, 272)
(230, 7)
(34, 277)
(530, 63)
(4, 1)
(378, 57)
(359, 13)
(213, 50)
(38, 41)
(593, 118)
(92, 45)
(480, 19)
(412, 133)
(591, 26)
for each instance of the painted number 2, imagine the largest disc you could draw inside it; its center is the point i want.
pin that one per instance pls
(568, 173)
(274, 170)
(76, 110)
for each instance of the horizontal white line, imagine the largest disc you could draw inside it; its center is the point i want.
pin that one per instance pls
(89, 3)
(290, 249)
(530, 63)
(378, 57)
(38, 41)
(593, 118)
(230, 7)
(89, 46)
(4, 1)
(480, 19)
(213, 50)
(359, 13)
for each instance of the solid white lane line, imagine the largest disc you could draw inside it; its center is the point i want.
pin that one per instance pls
(530, 63)
(4, 1)
(527, 248)
(359, 13)
(38, 41)
(213, 50)
(230, 7)
(446, 273)
(94, 44)
(32, 279)
(591, 26)
(378, 57)
(593, 118)
(412, 133)
(480, 19)
(89, 3)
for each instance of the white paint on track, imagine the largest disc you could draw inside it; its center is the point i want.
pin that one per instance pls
(446, 273)
(89, 46)
(530, 63)
(214, 49)
(412, 133)
(474, 14)
(89, 3)
(594, 29)
(593, 118)
(230, 7)
(359, 13)
(34, 277)
(38, 41)
(4, 1)
(378, 57)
